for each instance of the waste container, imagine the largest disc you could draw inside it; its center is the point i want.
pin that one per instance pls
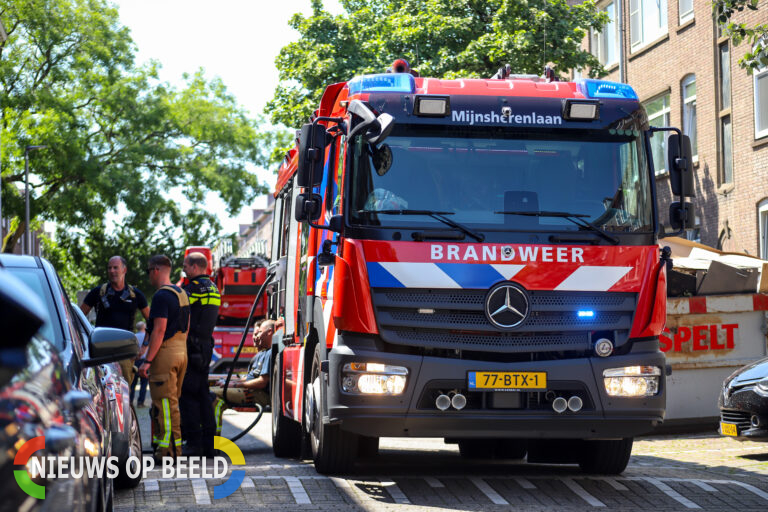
(706, 338)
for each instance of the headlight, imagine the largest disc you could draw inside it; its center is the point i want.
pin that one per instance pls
(632, 381)
(373, 379)
(762, 385)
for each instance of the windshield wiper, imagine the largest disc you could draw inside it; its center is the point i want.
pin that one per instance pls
(576, 218)
(435, 215)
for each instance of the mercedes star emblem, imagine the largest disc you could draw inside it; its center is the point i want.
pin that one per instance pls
(506, 305)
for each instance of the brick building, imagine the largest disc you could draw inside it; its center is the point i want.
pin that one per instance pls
(687, 75)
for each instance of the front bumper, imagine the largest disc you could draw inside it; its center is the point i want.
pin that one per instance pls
(413, 414)
(738, 405)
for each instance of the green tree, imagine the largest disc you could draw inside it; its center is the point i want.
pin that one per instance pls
(441, 38)
(756, 36)
(121, 143)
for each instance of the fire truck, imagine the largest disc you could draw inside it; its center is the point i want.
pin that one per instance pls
(238, 280)
(476, 260)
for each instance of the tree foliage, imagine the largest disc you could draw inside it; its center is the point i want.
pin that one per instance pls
(756, 36)
(121, 143)
(440, 38)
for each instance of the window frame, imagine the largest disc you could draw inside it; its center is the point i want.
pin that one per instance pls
(646, 37)
(665, 111)
(686, 101)
(595, 38)
(684, 17)
(760, 72)
(762, 228)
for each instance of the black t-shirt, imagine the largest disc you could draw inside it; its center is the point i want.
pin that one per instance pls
(115, 308)
(165, 304)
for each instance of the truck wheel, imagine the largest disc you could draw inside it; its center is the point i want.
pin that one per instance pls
(477, 448)
(368, 447)
(606, 457)
(286, 433)
(333, 450)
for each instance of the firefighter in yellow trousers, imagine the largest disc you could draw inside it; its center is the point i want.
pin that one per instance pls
(166, 361)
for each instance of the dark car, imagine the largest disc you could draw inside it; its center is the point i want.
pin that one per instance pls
(743, 403)
(64, 392)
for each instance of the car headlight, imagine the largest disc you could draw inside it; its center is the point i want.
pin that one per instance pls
(632, 381)
(373, 378)
(762, 385)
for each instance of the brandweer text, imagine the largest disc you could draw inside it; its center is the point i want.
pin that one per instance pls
(507, 253)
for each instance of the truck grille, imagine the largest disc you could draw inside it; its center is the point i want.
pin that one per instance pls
(455, 319)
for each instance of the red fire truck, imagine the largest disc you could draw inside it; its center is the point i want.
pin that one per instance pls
(238, 280)
(475, 260)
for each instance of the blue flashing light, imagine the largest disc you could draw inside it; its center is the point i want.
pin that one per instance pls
(586, 313)
(383, 82)
(602, 89)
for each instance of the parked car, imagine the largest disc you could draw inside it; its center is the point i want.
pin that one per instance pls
(62, 391)
(743, 403)
(125, 428)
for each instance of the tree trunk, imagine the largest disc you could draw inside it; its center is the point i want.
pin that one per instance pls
(12, 238)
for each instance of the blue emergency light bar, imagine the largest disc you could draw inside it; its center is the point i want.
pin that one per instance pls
(383, 82)
(586, 313)
(602, 89)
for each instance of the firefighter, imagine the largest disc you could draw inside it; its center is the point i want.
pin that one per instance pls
(198, 425)
(166, 360)
(116, 303)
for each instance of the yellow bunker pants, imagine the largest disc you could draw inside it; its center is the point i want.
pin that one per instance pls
(166, 374)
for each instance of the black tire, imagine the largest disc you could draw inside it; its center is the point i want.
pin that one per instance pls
(368, 447)
(477, 448)
(123, 481)
(333, 450)
(286, 433)
(606, 457)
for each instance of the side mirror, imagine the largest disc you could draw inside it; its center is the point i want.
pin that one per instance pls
(308, 207)
(109, 345)
(312, 142)
(680, 215)
(380, 129)
(680, 165)
(336, 224)
(359, 109)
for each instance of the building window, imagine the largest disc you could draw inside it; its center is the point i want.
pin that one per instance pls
(658, 115)
(647, 21)
(689, 112)
(724, 115)
(761, 102)
(762, 220)
(685, 9)
(604, 43)
(725, 76)
(726, 149)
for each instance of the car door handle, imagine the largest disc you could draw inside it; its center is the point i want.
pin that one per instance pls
(60, 438)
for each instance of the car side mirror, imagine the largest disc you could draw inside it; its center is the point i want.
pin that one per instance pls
(380, 129)
(680, 165)
(312, 142)
(108, 345)
(336, 224)
(680, 215)
(309, 207)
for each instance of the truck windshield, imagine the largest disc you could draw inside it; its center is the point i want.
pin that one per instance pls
(481, 175)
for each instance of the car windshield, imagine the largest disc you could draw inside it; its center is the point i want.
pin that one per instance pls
(35, 279)
(481, 177)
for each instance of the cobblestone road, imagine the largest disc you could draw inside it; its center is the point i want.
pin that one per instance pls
(690, 472)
